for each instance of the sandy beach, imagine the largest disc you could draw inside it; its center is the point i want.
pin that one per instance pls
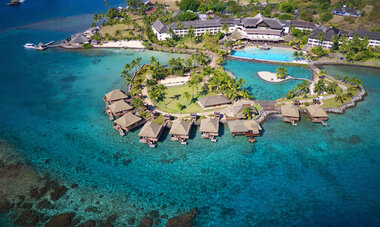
(132, 44)
(271, 77)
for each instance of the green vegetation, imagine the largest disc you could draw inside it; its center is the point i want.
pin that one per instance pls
(186, 16)
(355, 49)
(300, 89)
(281, 72)
(86, 45)
(176, 95)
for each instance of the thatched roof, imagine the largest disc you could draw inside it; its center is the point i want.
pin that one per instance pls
(289, 110)
(316, 111)
(180, 127)
(209, 125)
(127, 120)
(306, 48)
(115, 94)
(213, 101)
(253, 126)
(238, 110)
(235, 35)
(120, 106)
(237, 126)
(150, 129)
(79, 38)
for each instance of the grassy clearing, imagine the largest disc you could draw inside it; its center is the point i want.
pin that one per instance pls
(159, 120)
(257, 106)
(332, 103)
(175, 95)
(299, 98)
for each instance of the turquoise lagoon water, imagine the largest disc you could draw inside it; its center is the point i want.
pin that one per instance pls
(274, 54)
(261, 89)
(52, 109)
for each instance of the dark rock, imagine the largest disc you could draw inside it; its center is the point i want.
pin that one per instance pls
(97, 202)
(58, 193)
(46, 161)
(154, 214)
(34, 194)
(74, 185)
(5, 206)
(61, 220)
(146, 222)
(10, 171)
(112, 218)
(75, 222)
(45, 204)
(27, 206)
(184, 220)
(89, 223)
(101, 196)
(165, 216)
(164, 206)
(27, 218)
(92, 209)
(82, 200)
(131, 221)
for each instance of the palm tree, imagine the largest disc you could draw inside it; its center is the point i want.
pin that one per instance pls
(322, 74)
(240, 82)
(247, 112)
(180, 106)
(281, 72)
(225, 28)
(137, 102)
(332, 87)
(320, 86)
(320, 36)
(191, 33)
(244, 94)
(187, 96)
(339, 96)
(153, 60)
(350, 91)
(295, 54)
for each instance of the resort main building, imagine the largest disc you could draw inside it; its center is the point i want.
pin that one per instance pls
(260, 29)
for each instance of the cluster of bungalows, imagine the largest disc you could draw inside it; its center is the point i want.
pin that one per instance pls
(118, 108)
(290, 113)
(260, 29)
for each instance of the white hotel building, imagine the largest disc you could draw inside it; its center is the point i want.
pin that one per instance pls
(255, 28)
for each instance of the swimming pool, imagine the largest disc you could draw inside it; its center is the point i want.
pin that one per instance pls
(274, 54)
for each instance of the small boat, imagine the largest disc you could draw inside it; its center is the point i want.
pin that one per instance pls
(30, 46)
(13, 3)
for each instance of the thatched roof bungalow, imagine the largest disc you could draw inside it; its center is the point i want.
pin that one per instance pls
(113, 96)
(290, 113)
(150, 133)
(181, 128)
(237, 111)
(253, 127)
(237, 127)
(118, 108)
(127, 122)
(317, 113)
(209, 128)
(213, 101)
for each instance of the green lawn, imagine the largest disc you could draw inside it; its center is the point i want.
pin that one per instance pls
(332, 103)
(175, 95)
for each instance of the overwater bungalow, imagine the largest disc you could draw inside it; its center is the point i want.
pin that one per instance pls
(237, 127)
(150, 133)
(213, 101)
(317, 114)
(127, 122)
(249, 128)
(114, 96)
(290, 113)
(210, 128)
(180, 130)
(117, 109)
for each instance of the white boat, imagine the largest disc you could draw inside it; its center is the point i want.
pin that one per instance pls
(30, 46)
(21, 1)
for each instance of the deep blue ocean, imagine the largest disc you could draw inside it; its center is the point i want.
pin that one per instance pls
(52, 109)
